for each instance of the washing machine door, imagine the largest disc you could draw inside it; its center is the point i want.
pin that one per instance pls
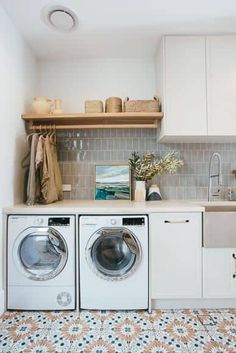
(113, 253)
(40, 253)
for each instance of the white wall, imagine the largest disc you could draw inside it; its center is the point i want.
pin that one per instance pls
(77, 80)
(74, 81)
(17, 87)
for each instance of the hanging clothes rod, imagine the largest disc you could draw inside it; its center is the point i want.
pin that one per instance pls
(91, 126)
(43, 127)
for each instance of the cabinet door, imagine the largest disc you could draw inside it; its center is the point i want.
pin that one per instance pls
(184, 86)
(219, 273)
(221, 85)
(175, 249)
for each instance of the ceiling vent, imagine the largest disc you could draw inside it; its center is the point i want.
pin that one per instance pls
(60, 18)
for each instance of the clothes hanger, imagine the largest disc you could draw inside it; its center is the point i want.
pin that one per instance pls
(32, 133)
(53, 134)
(25, 161)
(44, 133)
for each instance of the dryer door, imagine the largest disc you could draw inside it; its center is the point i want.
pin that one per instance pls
(113, 253)
(40, 253)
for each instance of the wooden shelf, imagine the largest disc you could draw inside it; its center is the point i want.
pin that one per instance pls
(94, 121)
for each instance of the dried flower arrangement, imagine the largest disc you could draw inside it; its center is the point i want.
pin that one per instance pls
(147, 166)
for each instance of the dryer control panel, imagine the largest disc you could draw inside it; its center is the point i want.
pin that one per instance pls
(59, 221)
(133, 221)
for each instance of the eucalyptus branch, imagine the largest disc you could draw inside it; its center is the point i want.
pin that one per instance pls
(147, 166)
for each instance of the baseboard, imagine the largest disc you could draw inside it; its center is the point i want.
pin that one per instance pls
(2, 301)
(194, 303)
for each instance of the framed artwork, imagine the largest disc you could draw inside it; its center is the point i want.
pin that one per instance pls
(112, 182)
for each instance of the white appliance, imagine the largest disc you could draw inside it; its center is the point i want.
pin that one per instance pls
(41, 262)
(114, 262)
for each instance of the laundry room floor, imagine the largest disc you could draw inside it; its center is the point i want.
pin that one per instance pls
(169, 331)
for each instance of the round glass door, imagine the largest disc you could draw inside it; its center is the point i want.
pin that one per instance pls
(42, 253)
(114, 254)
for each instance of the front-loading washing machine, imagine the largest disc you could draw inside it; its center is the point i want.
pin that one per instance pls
(113, 262)
(41, 262)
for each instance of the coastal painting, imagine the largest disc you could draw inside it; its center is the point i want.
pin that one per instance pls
(112, 182)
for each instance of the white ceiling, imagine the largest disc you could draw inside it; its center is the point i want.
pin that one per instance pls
(112, 28)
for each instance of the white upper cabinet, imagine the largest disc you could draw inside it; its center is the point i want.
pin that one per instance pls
(196, 80)
(221, 85)
(181, 82)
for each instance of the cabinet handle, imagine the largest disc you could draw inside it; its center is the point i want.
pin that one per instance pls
(175, 222)
(234, 257)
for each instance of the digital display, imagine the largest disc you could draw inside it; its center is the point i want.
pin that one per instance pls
(59, 221)
(139, 221)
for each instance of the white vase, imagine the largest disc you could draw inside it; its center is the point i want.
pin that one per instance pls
(140, 191)
(57, 109)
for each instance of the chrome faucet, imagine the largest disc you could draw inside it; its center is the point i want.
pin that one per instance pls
(214, 190)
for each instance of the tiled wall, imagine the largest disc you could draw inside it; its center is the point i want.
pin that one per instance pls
(79, 151)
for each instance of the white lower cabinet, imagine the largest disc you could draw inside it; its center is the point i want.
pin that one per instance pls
(175, 250)
(219, 273)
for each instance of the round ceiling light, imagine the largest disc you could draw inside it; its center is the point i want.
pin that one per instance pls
(60, 18)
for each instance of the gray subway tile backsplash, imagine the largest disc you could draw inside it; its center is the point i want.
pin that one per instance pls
(80, 150)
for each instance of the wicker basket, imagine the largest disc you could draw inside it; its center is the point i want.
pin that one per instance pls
(93, 106)
(142, 105)
(113, 105)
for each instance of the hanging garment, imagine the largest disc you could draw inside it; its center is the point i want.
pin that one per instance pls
(57, 171)
(33, 187)
(39, 161)
(25, 165)
(39, 152)
(48, 185)
(43, 182)
(51, 181)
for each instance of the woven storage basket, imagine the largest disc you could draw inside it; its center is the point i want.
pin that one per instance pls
(113, 105)
(93, 106)
(142, 105)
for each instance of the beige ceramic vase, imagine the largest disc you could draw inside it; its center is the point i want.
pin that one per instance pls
(140, 191)
(58, 108)
(41, 105)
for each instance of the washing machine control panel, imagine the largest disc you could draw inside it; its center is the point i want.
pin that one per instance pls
(95, 222)
(59, 221)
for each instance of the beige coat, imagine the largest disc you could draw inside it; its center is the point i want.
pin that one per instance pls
(33, 184)
(51, 183)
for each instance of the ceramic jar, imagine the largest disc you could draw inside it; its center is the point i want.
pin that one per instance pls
(140, 191)
(41, 105)
(57, 109)
(154, 193)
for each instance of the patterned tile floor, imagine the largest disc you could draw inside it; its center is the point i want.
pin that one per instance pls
(167, 331)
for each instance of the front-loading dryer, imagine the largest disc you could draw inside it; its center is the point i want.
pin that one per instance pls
(41, 262)
(113, 262)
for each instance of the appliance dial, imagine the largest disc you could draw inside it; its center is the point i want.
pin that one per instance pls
(39, 220)
(113, 221)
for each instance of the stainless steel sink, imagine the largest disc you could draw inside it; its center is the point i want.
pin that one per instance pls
(220, 226)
